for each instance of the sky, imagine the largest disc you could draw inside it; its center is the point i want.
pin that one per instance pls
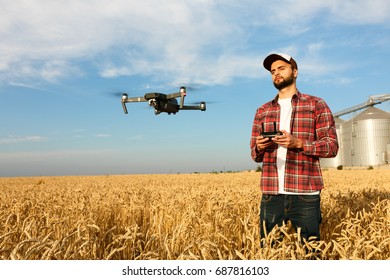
(63, 63)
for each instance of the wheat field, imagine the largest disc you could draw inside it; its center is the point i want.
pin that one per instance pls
(185, 217)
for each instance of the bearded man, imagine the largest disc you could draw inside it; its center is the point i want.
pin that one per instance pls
(291, 179)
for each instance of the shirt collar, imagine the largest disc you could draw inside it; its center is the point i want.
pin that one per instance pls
(297, 95)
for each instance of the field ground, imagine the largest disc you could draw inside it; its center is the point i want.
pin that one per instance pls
(185, 216)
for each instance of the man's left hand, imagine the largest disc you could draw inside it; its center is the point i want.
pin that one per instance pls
(288, 140)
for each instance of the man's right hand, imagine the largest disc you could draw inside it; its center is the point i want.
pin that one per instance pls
(262, 143)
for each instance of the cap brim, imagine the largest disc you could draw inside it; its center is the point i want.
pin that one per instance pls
(271, 59)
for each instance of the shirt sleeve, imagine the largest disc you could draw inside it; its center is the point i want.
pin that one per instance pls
(326, 143)
(256, 131)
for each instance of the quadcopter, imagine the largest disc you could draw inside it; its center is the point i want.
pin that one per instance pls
(164, 103)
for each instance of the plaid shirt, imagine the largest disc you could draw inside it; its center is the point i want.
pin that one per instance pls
(312, 122)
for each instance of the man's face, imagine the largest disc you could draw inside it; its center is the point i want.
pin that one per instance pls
(283, 74)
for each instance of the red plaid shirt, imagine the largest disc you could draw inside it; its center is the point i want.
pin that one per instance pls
(312, 121)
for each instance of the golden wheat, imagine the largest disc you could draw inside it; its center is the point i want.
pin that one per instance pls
(185, 216)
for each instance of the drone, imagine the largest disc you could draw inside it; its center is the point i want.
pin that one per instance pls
(164, 103)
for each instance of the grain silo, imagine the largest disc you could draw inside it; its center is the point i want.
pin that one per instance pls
(387, 154)
(365, 138)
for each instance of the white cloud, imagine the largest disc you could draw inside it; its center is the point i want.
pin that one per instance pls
(138, 137)
(192, 41)
(288, 14)
(360, 11)
(13, 139)
(102, 135)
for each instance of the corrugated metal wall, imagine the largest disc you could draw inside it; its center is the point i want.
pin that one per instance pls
(364, 140)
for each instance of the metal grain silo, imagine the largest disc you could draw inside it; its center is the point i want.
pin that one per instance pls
(387, 155)
(365, 138)
(337, 160)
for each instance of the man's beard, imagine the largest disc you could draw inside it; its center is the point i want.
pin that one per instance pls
(284, 83)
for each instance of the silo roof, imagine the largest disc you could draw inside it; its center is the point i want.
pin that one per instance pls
(372, 113)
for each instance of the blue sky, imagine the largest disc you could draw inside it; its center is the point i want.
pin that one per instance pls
(61, 60)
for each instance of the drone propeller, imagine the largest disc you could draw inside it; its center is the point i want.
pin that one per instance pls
(198, 102)
(115, 94)
(193, 86)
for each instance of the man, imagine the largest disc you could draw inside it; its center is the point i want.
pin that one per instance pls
(291, 179)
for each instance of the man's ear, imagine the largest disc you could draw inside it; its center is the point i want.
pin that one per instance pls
(295, 72)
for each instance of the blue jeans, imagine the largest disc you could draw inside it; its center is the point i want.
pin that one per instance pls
(302, 210)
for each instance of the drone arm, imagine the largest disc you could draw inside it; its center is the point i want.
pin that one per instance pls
(124, 107)
(173, 95)
(182, 93)
(201, 106)
(126, 99)
(134, 99)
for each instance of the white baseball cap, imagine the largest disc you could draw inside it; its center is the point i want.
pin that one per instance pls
(278, 56)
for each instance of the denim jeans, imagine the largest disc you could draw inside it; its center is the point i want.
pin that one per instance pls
(302, 210)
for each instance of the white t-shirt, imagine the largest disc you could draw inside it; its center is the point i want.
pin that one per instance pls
(284, 124)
